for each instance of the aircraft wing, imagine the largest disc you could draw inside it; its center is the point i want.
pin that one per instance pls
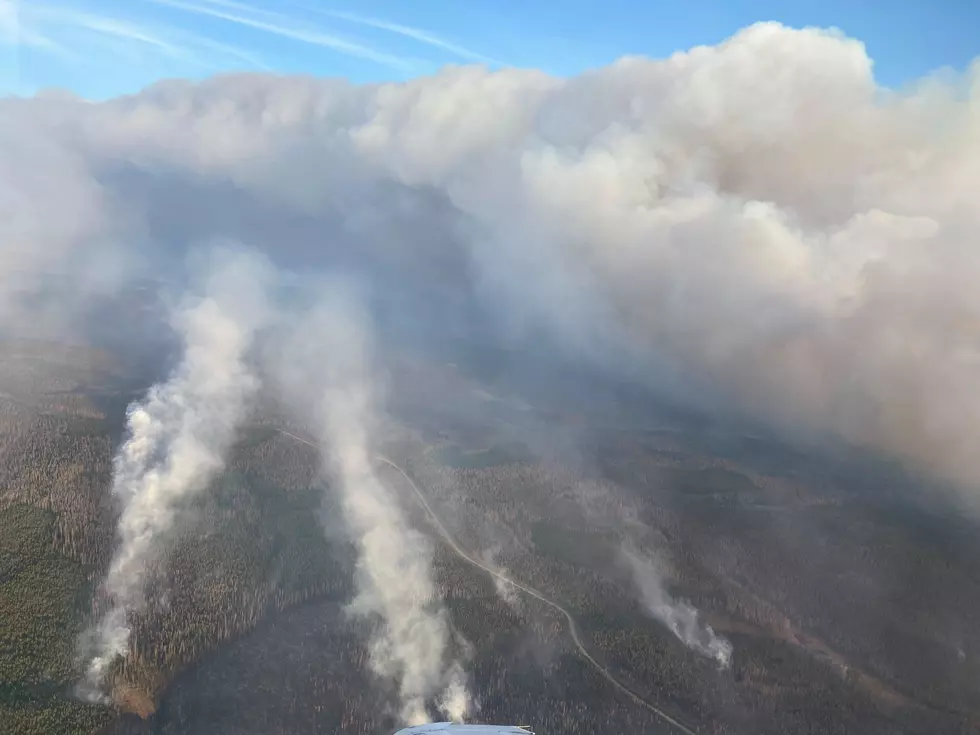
(454, 728)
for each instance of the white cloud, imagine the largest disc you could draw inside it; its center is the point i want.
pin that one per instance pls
(416, 34)
(281, 25)
(18, 29)
(84, 37)
(114, 27)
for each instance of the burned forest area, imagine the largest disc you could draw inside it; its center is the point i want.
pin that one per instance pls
(845, 603)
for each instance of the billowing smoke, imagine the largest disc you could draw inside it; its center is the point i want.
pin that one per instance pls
(60, 243)
(455, 701)
(178, 438)
(758, 217)
(798, 245)
(329, 365)
(679, 616)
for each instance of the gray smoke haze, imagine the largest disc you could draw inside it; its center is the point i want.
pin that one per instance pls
(798, 245)
(679, 616)
(178, 437)
(328, 365)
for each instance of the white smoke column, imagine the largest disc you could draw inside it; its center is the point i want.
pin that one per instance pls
(178, 438)
(506, 592)
(455, 701)
(394, 561)
(679, 616)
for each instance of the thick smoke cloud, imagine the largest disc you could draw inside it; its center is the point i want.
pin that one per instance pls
(58, 228)
(178, 438)
(327, 367)
(679, 616)
(756, 224)
(757, 216)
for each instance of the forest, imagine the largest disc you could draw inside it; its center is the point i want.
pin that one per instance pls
(245, 629)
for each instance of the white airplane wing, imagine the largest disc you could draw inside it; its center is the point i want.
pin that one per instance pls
(454, 728)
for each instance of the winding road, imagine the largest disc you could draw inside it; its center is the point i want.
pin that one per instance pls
(572, 625)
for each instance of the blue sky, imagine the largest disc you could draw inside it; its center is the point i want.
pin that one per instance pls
(100, 48)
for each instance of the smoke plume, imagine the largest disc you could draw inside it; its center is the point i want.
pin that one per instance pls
(799, 245)
(329, 363)
(506, 592)
(455, 701)
(178, 437)
(679, 616)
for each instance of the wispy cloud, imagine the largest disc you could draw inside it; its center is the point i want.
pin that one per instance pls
(73, 34)
(16, 29)
(232, 51)
(283, 26)
(416, 34)
(117, 28)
